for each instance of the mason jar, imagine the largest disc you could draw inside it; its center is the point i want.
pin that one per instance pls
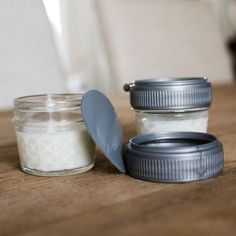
(170, 104)
(51, 136)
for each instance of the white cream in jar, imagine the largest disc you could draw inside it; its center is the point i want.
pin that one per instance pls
(51, 136)
(63, 150)
(148, 122)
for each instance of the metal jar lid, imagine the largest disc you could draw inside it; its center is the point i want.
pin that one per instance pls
(163, 157)
(170, 93)
(174, 156)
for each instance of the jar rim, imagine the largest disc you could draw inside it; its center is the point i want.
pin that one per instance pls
(49, 102)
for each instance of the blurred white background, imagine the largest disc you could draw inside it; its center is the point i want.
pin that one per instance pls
(74, 45)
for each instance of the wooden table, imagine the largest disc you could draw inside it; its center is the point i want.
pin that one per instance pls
(106, 202)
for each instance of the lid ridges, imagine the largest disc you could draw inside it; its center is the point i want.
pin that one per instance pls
(200, 156)
(170, 94)
(173, 170)
(169, 99)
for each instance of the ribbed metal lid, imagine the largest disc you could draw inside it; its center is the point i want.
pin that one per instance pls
(169, 93)
(162, 157)
(174, 157)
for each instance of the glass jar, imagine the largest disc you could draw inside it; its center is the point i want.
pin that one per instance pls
(51, 136)
(170, 104)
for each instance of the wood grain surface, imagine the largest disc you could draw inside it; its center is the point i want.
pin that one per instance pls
(106, 202)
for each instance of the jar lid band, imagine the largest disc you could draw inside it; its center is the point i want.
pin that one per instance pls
(174, 157)
(169, 93)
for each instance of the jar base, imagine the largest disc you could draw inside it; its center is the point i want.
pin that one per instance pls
(57, 172)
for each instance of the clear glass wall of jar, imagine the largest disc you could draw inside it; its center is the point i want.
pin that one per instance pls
(156, 121)
(51, 136)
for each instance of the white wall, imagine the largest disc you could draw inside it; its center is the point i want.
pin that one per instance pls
(155, 38)
(28, 58)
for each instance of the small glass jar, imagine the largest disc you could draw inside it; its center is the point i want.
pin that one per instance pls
(170, 104)
(51, 136)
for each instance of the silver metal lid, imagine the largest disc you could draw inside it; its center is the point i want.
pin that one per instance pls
(170, 93)
(174, 157)
(103, 126)
(163, 157)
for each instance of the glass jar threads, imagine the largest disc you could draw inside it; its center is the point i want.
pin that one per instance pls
(170, 104)
(51, 136)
